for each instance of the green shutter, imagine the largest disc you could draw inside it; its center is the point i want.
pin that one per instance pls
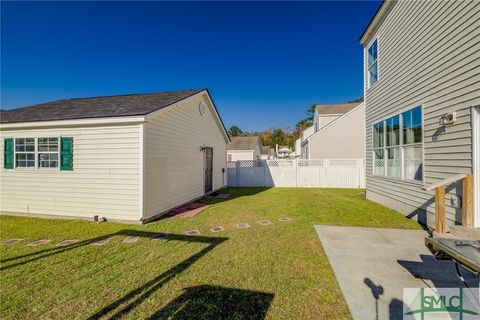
(66, 153)
(8, 153)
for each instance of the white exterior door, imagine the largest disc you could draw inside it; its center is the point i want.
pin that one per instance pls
(476, 163)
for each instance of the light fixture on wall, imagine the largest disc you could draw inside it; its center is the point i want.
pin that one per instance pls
(448, 118)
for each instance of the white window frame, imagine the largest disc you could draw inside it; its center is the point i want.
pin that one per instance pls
(48, 152)
(369, 66)
(36, 153)
(15, 153)
(384, 137)
(401, 146)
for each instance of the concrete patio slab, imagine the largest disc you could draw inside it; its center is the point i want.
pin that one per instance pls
(193, 232)
(39, 242)
(374, 262)
(264, 222)
(67, 242)
(13, 241)
(160, 236)
(217, 229)
(130, 239)
(100, 242)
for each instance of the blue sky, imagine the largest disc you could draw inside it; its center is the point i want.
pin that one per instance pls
(264, 63)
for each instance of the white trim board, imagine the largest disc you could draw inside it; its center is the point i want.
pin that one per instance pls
(476, 163)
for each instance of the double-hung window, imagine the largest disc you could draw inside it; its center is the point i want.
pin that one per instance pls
(25, 152)
(378, 149)
(36, 152)
(397, 146)
(412, 144)
(372, 54)
(47, 152)
(392, 126)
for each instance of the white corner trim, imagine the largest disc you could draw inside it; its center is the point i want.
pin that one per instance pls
(141, 166)
(475, 110)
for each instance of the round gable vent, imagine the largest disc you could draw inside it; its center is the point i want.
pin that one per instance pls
(202, 108)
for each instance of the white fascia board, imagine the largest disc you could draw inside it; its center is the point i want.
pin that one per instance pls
(73, 122)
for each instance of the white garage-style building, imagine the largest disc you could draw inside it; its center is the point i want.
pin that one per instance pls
(125, 158)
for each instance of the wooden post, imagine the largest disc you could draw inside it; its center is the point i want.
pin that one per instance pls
(467, 201)
(440, 209)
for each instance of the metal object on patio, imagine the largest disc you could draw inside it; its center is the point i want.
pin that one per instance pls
(65, 243)
(465, 252)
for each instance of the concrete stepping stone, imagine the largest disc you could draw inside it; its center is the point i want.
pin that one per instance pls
(217, 229)
(192, 232)
(65, 243)
(243, 225)
(160, 236)
(264, 222)
(100, 242)
(39, 242)
(285, 219)
(130, 239)
(13, 241)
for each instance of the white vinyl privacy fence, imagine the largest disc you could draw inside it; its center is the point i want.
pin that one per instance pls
(320, 173)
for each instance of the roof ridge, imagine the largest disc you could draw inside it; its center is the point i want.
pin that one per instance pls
(133, 94)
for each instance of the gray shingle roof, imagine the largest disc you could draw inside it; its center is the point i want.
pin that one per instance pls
(340, 108)
(96, 107)
(243, 143)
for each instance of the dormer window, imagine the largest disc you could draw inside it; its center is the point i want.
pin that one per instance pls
(373, 63)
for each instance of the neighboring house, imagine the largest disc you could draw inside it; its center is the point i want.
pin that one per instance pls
(283, 152)
(265, 152)
(129, 157)
(303, 136)
(244, 148)
(339, 133)
(422, 95)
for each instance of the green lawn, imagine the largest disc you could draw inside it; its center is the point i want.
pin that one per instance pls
(277, 271)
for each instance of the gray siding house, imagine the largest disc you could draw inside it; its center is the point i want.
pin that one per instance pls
(422, 96)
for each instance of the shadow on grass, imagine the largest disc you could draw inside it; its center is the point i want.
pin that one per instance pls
(128, 302)
(127, 232)
(216, 303)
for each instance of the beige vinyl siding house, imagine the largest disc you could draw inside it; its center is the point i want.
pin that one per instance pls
(105, 179)
(132, 157)
(173, 157)
(425, 55)
(341, 135)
